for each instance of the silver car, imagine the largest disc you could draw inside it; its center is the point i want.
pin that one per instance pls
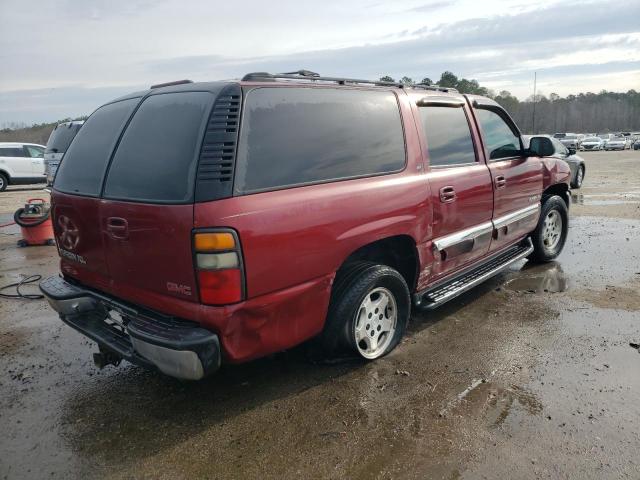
(576, 162)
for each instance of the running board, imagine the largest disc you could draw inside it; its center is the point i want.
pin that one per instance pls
(436, 295)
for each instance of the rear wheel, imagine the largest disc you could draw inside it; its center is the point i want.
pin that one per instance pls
(577, 182)
(550, 235)
(369, 310)
(4, 182)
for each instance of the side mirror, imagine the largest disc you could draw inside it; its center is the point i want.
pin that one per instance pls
(572, 150)
(540, 147)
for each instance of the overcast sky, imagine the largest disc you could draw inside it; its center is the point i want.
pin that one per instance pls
(63, 58)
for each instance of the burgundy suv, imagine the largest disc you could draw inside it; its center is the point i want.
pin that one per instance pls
(200, 223)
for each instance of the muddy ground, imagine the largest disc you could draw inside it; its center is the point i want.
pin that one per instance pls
(530, 375)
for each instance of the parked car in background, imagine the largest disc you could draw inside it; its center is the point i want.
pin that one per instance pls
(636, 144)
(605, 138)
(569, 140)
(559, 135)
(616, 143)
(21, 164)
(200, 223)
(568, 154)
(592, 143)
(58, 142)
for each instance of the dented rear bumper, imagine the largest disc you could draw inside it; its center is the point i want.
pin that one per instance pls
(176, 347)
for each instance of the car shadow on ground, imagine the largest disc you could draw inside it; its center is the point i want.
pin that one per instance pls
(130, 412)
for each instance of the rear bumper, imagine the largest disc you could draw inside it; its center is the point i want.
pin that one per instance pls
(177, 348)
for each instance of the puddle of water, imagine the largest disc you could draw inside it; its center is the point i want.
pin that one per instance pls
(618, 199)
(548, 278)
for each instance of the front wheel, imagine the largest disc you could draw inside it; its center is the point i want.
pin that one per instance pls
(550, 235)
(369, 311)
(577, 182)
(4, 182)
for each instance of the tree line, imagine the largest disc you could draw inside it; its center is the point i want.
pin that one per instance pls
(601, 112)
(36, 133)
(585, 112)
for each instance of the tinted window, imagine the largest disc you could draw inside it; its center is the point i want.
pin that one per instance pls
(448, 135)
(499, 139)
(157, 156)
(61, 137)
(11, 152)
(85, 161)
(292, 136)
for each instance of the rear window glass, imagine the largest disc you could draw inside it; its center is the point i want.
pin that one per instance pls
(85, 161)
(448, 136)
(61, 137)
(157, 156)
(296, 136)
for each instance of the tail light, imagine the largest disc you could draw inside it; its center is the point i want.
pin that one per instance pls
(218, 262)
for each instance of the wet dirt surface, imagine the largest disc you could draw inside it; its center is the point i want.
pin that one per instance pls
(528, 376)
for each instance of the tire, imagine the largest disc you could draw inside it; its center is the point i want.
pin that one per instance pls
(577, 182)
(550, 235)
(4, 182)
(354, 323)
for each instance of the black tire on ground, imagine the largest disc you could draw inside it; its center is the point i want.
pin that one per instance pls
(577, 182)
(353, 284)
(4, 182)
(549, 236)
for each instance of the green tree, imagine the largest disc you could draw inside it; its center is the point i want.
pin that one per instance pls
(407, 81)
(448, 79)
(426, 81)
(387, 78)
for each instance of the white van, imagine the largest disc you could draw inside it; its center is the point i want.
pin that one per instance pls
(58, 142)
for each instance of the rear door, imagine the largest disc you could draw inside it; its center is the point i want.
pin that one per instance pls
(76, 191)
(15, 161)
(517, 179)
(146, 215)
(462, 196)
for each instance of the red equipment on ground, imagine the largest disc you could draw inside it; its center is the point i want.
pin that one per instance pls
(35, 223)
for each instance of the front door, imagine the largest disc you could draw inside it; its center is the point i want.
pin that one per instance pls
(517, 179)
(462, 196)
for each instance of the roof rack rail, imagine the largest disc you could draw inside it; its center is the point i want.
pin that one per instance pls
(313, 76)
(171, 84)
(436, 88)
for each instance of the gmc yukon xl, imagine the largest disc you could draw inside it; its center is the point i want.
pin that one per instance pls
(202, 223)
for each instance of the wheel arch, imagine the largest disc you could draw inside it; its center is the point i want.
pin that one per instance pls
(559, 189)
(398, 252)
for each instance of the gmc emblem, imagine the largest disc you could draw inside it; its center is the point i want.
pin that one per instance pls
(181, 289)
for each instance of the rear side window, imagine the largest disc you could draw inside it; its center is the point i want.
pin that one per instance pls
(12, 152)
(85, 161)
(500, 140)
(448, 136)
(156, 160)
(60, 138)
(297, 136)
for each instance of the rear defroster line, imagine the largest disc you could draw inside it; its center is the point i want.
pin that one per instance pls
(19, 294)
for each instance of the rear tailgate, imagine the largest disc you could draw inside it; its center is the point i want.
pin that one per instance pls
(146, 215)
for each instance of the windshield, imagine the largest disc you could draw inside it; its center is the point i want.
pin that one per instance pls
(61, 137)
(570, 137)
(559, 135)
(592, 139)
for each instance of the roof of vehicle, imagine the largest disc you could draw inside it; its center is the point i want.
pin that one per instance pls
(19, 144)
(72, 122)
(300, 77)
